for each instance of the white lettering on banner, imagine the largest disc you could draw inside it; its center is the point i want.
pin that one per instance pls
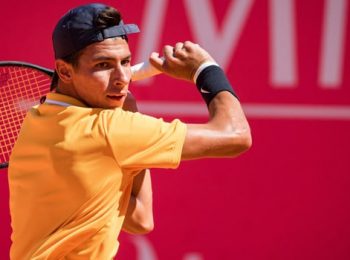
(332, 44)
(219, 43)
(193, 256)
(282, 44)
(145, 250)
(152, 26)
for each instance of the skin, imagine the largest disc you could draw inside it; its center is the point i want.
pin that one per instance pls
(227, 133)
(102, 80)
(102, 77)
(139, 216)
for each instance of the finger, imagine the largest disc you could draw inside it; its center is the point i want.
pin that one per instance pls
(188, 45)
(156, 61)
(168, 52)
(180, 51)
(178, 47)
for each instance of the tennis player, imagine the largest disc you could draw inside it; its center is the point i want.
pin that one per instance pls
(77, 172)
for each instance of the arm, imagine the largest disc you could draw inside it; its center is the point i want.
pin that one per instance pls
(139, 215)
(227, 132)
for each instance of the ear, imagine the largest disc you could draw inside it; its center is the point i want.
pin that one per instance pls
(64, 70)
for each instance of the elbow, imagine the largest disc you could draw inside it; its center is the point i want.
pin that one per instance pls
(242, 142)
(247, 141)
(143, 228)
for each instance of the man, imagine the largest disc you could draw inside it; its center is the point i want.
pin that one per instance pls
(77, 173)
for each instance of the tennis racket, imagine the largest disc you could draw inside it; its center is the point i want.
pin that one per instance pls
(21, 87)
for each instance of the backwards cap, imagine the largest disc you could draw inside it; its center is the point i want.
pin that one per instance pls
(77, 29)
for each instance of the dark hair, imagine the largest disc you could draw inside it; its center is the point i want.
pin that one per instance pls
(107, 18)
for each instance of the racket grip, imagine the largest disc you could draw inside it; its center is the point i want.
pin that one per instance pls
(4, 165)
(143, 70)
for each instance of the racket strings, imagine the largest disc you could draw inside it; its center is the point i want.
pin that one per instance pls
(21, 88)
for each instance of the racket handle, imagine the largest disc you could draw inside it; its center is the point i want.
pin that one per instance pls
(144, 70)
(4, 165)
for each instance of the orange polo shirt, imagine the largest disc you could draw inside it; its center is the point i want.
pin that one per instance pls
(70, 176)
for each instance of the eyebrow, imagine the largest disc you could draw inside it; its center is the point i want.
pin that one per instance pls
(108, 58)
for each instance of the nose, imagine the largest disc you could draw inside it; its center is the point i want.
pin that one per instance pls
(121, 75)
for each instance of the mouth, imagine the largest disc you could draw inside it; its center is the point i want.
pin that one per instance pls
(116, 97)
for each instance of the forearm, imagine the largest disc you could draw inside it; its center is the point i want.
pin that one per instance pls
(139, 215)
(228, 121)
(227, 131)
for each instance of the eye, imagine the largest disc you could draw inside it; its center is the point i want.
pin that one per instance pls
(102, 65)
(125, 62)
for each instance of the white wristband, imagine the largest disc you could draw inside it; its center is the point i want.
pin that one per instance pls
(202, 67)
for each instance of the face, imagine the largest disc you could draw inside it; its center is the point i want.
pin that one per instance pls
(102, 76)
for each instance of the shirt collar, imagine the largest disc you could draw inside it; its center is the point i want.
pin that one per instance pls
(62, 100)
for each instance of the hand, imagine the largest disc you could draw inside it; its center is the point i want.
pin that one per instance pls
(130, 103)
(182, 60)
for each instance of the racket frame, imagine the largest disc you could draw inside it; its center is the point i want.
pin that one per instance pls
(28, 65)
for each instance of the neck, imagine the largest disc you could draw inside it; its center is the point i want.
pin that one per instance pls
(68, 90)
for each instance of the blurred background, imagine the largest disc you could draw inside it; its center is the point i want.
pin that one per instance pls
(289, 62)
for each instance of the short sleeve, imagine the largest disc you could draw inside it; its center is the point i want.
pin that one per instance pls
(139, 141)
